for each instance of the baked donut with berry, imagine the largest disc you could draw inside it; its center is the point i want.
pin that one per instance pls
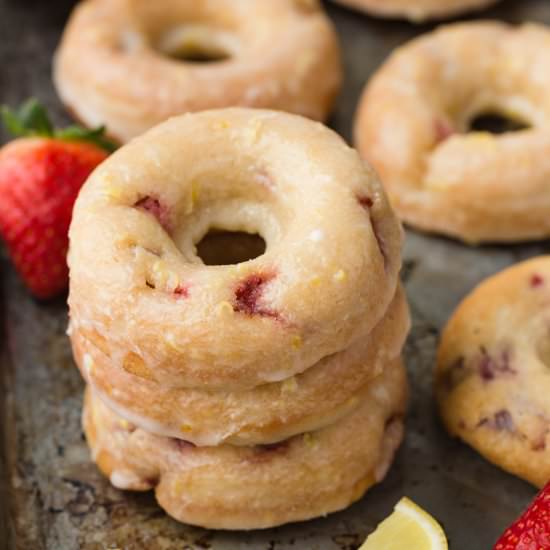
(416, 125)
(132, 65)
(140, 292)
(492, 378)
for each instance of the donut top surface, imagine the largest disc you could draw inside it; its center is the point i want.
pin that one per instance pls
(139, 289)
(414, 125)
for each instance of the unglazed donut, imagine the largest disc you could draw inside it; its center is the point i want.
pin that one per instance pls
(266, 414)
(140, 293)
(492, 377)
(413, 120)
(114, 67)
(256, 487)
(417, 10)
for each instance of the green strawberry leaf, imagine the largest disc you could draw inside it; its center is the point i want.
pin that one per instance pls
(31, 120)
(95, 136)
(11, 122)
(34, 118)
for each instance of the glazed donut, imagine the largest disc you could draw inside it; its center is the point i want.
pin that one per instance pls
(492, 377)
(320, 396)
(229, 487)
(140, 293)
(417, 11)
(412, 125)
(117, 65)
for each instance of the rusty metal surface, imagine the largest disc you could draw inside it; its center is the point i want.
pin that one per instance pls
(51, 495)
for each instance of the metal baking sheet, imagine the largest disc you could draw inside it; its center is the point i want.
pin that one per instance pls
(52, 496)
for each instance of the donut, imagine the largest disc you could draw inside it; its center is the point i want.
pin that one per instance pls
(140, 293)
(269, 413)
(413, 125)
(493, 370)
(416, 11)
(229, 487)
(132, 64)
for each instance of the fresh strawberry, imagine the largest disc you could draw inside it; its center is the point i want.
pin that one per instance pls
(41, 174)
(532, 530)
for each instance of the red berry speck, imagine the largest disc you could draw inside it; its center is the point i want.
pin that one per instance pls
(365, 202)
(442, 130)
(183, 445)
(181, 291)
(536, 280)
(154, 207)
(249, 293)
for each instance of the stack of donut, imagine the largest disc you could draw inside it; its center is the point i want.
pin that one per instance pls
(246, 395)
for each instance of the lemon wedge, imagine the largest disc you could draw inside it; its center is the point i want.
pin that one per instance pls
(408, 528)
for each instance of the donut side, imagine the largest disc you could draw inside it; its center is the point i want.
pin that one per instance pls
(418, 11)
(266, 414)
(229, 487)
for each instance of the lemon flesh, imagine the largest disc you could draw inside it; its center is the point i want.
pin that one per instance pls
(408, 528)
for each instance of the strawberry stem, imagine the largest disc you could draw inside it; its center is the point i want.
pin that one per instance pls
(32, 120)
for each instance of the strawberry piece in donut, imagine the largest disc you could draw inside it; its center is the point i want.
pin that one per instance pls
(249, 293)
(156, 209)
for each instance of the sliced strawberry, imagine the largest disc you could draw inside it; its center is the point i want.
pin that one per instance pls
(532, 530)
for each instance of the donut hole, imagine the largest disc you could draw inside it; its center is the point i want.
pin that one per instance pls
(195, 44)
(219, 247)
(228, 230)
(494, 122)
(198, 53)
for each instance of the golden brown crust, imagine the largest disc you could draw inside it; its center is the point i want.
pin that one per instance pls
(492, 378)
(327, 276)
(417, 11)
(256, 487)
(110, 69)
(413, 120)
(320, 396)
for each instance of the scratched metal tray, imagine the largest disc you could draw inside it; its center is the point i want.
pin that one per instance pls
(51, 495)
